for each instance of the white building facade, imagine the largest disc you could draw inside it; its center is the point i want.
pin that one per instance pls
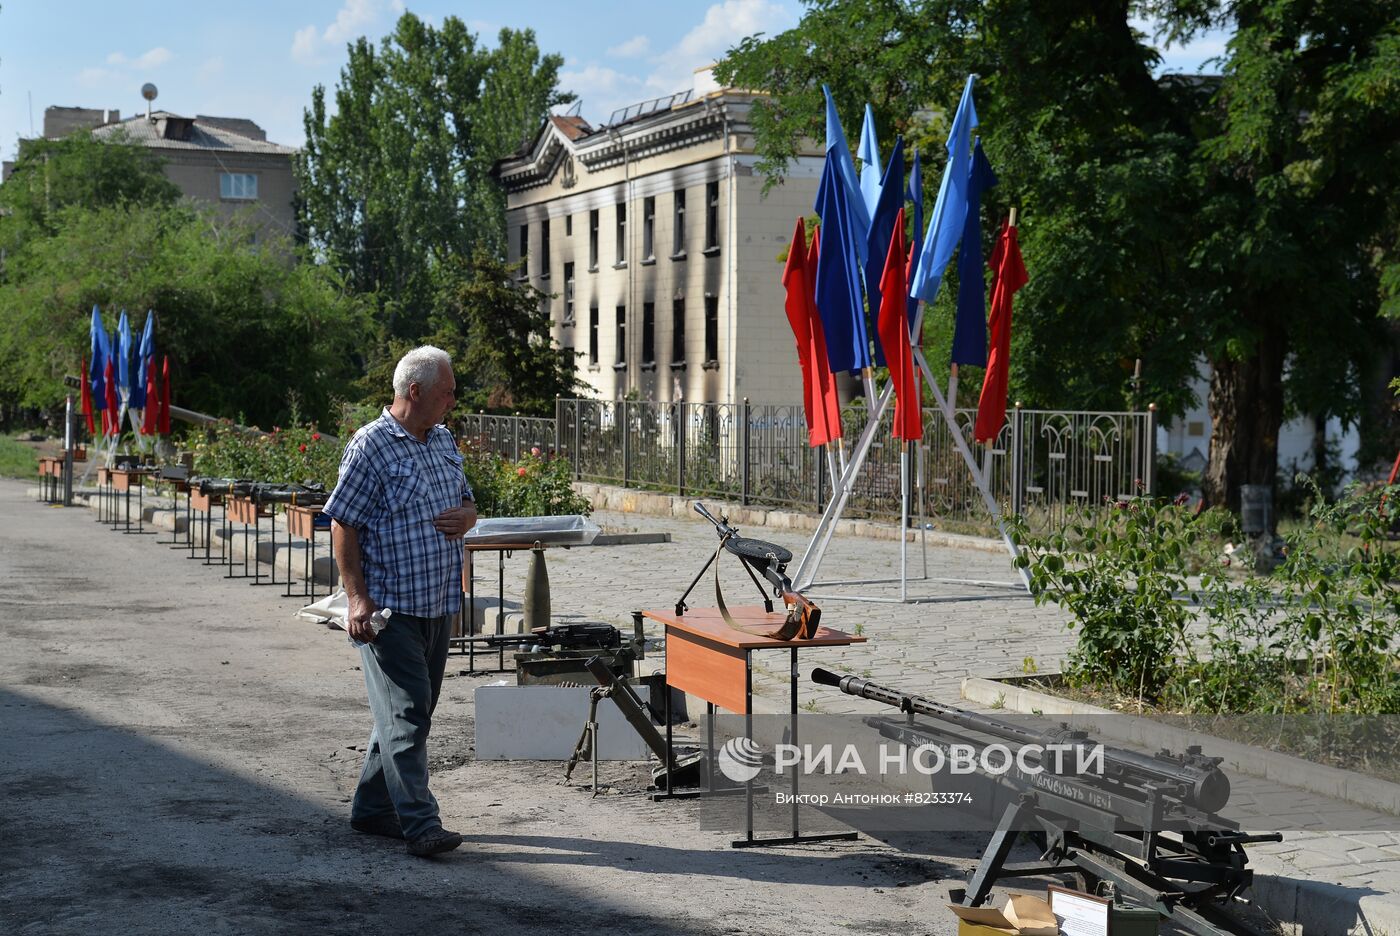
(660, 249)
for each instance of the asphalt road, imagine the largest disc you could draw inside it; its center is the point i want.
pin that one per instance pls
(177, 754)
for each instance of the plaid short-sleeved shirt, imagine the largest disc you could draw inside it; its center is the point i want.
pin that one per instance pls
(391, 487)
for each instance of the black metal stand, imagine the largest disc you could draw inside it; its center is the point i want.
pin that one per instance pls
(797, 838)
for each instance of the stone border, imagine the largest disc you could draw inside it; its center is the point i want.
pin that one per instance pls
(656, 504)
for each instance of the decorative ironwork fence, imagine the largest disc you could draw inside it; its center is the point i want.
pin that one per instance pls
(1041, 464)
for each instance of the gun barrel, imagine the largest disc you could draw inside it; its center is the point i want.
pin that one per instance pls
(1198, 780)
(723, 528)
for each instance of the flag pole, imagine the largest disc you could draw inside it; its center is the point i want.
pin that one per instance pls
(919, 492)
(904, 519)
(867, 379)
(953, 386)
(812, 558)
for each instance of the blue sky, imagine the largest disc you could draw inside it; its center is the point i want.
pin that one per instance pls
(260, 59)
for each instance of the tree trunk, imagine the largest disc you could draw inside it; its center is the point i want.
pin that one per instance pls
(1246, 411)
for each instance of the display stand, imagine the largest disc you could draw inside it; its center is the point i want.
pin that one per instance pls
(304, 522)
(122, 481)
(713, 661)
(204, 504)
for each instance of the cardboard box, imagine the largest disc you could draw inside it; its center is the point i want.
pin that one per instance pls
(1023, 915)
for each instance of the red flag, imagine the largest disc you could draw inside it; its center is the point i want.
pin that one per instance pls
(163, 417)
(1010, 276)
(87, 400)
(826, 408)
(893, 326)
(111, 416)
(799, 317)
(148, 415)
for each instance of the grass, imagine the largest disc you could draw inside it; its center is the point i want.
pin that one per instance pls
(17, 460)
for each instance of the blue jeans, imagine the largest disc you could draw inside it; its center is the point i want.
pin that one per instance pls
(403, 675)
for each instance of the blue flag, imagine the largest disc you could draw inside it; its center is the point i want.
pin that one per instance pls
(882, 222)
(836, 148)
(123, 367)
(970, 326)
(945, 228)
(915, 194)
(144, 361)
(838, 275)
(97, 361)
(868, 152)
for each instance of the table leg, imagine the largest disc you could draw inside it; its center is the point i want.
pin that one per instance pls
(748, 736)
(795, 742)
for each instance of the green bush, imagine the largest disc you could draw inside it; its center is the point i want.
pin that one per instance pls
(537, 485)
(294, 455)
(1119, 572)
(1318, 635)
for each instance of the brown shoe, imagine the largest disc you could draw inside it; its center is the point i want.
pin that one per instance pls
(387, 826)
(433, 842)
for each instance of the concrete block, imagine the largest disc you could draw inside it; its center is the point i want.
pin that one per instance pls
(555, 716)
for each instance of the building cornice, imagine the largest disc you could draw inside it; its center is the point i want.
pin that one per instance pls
(699, 121)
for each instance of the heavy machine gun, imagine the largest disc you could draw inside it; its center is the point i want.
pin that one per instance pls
(759, 558)
(1146, 824)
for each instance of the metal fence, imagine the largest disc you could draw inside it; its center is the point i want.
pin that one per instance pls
(1041, 464)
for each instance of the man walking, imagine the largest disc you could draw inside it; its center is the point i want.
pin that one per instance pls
(398, 513)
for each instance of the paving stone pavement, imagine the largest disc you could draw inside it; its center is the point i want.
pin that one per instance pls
(1317, 882)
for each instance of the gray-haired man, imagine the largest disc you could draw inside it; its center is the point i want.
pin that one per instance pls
(399, 512)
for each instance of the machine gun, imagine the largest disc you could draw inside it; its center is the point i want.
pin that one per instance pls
(298, 495)
(758, 558)
(264, 492)
(1146, 824)
(235, 486)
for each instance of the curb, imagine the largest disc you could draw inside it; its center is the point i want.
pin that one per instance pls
(1311, 906)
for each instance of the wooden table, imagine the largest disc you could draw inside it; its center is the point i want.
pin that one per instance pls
(709, 659)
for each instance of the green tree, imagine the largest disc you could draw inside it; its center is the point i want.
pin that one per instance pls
(495, 327)
(1298, 251)
(247, 328)
(397, 182)
(1161, 219)
(52, 175)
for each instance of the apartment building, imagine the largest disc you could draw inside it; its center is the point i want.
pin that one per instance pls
(227, 162)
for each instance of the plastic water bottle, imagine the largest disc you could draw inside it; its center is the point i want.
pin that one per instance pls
(379, 620)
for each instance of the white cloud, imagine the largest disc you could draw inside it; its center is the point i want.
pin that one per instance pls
(633, 48)
(602, 89)
(304, 45)
(605, 89)
(352, 20)
(151, 58)
(154, 58)
(723, 26)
